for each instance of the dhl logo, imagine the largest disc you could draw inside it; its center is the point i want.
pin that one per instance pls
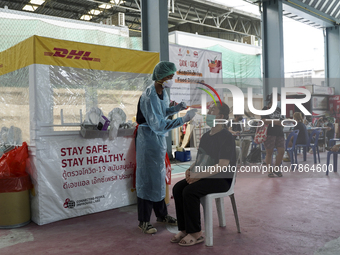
(73, 54)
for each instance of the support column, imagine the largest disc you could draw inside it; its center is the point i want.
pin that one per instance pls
(155, 27)
(332, 57)
(272, 46)
(155, 37)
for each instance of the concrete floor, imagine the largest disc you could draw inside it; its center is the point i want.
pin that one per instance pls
(295, 214)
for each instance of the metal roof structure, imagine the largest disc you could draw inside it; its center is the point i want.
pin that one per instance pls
(184, 15)
(316, 13)
(201, 16)
(328, 7)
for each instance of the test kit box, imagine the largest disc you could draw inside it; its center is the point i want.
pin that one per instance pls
(183, 155)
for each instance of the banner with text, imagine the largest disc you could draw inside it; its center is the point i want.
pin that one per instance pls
(194, 66)
(80, 176)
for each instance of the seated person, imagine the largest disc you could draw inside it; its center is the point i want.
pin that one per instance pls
(319, 122)
(335, 148)
(308, 121)
(330, 129)
(235, 130)
(303, 133)
(216, 148)
(305, 121)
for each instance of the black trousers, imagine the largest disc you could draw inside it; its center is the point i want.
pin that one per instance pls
(187, 201)
(145, 208)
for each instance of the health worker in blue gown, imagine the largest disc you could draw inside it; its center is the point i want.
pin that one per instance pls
(153, 110)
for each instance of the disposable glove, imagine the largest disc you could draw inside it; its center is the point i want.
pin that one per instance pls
(189, 115)
(181, 106)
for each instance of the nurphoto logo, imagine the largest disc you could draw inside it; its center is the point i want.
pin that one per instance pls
(238, 106)
(238, 99)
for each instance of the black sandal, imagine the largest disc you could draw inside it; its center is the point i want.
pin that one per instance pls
(168, 220)
(278, 173)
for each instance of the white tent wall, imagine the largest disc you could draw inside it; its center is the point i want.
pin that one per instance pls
(203, 42)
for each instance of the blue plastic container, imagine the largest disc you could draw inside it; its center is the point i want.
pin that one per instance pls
(183, 155)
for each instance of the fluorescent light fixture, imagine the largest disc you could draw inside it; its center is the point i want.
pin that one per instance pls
(37, 2)
(94, 12)
(30, 8)
(105, 6)
(86, 17)
(117, 2)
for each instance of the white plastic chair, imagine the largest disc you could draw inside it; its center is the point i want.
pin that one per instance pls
(207, 201)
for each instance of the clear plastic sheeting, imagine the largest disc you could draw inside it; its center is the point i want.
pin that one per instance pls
(75, 91)
(14, 105)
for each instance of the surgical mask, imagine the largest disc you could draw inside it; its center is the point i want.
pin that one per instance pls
(168, 83)
(279, 104)
(210, 120)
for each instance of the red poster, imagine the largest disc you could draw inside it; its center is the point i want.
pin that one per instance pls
(334, 106)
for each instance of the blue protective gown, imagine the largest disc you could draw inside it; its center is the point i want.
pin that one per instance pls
(151, 144)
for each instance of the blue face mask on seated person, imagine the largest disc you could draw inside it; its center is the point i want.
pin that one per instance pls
(210, 120)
